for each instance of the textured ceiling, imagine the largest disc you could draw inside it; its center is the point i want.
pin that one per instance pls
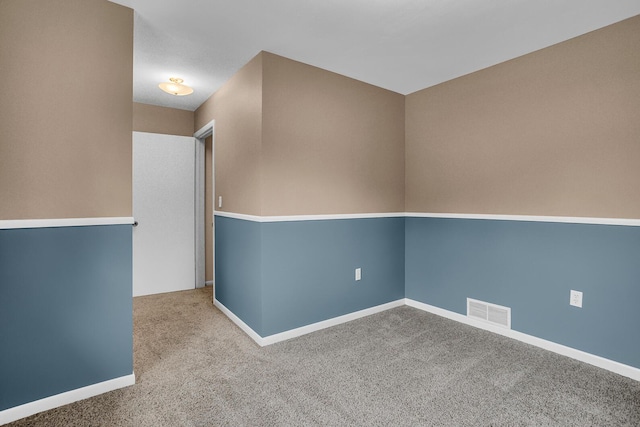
(401, 45)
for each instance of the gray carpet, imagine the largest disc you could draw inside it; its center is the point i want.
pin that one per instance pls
(401, 367)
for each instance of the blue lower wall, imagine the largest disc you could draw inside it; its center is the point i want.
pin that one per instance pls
(66, 306)
(531, 267)
(65, 310)
(282, 275)
(238, 267)
(308, 269)
(278, 276)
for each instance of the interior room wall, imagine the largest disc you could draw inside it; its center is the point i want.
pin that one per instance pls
(342, 140)
(331, 144)
(66, 117)
(554, 132)
(65, 311)
(168, 121)
(65, 152)
(237, 110)
(550, 133)
(320, 143)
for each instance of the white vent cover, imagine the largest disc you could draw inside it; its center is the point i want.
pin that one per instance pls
(487, 312)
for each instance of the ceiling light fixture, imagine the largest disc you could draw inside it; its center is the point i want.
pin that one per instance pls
(175, 87)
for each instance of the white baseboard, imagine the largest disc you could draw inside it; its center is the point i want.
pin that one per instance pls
(600, 362)
(303, 330)
(31, 408)
(239, 323)
(208, 283)
(307, 329)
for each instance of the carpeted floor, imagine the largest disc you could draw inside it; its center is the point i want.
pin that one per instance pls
(402, 367)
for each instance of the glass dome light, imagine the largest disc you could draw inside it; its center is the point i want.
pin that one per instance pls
(175, 87)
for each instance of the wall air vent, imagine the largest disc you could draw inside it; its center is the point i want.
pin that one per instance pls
(490, 313)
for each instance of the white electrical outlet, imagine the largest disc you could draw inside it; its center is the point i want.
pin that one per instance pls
(358, 273)
(219, 201)
(576, 299)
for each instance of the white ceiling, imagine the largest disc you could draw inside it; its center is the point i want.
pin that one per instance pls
(401, 45)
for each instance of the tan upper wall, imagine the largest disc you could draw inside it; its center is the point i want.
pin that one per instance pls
(168, 121)
(330, 144)
(237, 110)
(65, 144)
(555, 132)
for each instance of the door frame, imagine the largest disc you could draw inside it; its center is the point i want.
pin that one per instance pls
(200, 136)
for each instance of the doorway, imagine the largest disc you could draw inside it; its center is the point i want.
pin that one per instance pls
(169, 210)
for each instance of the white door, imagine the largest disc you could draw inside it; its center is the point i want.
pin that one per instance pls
(164, 207)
